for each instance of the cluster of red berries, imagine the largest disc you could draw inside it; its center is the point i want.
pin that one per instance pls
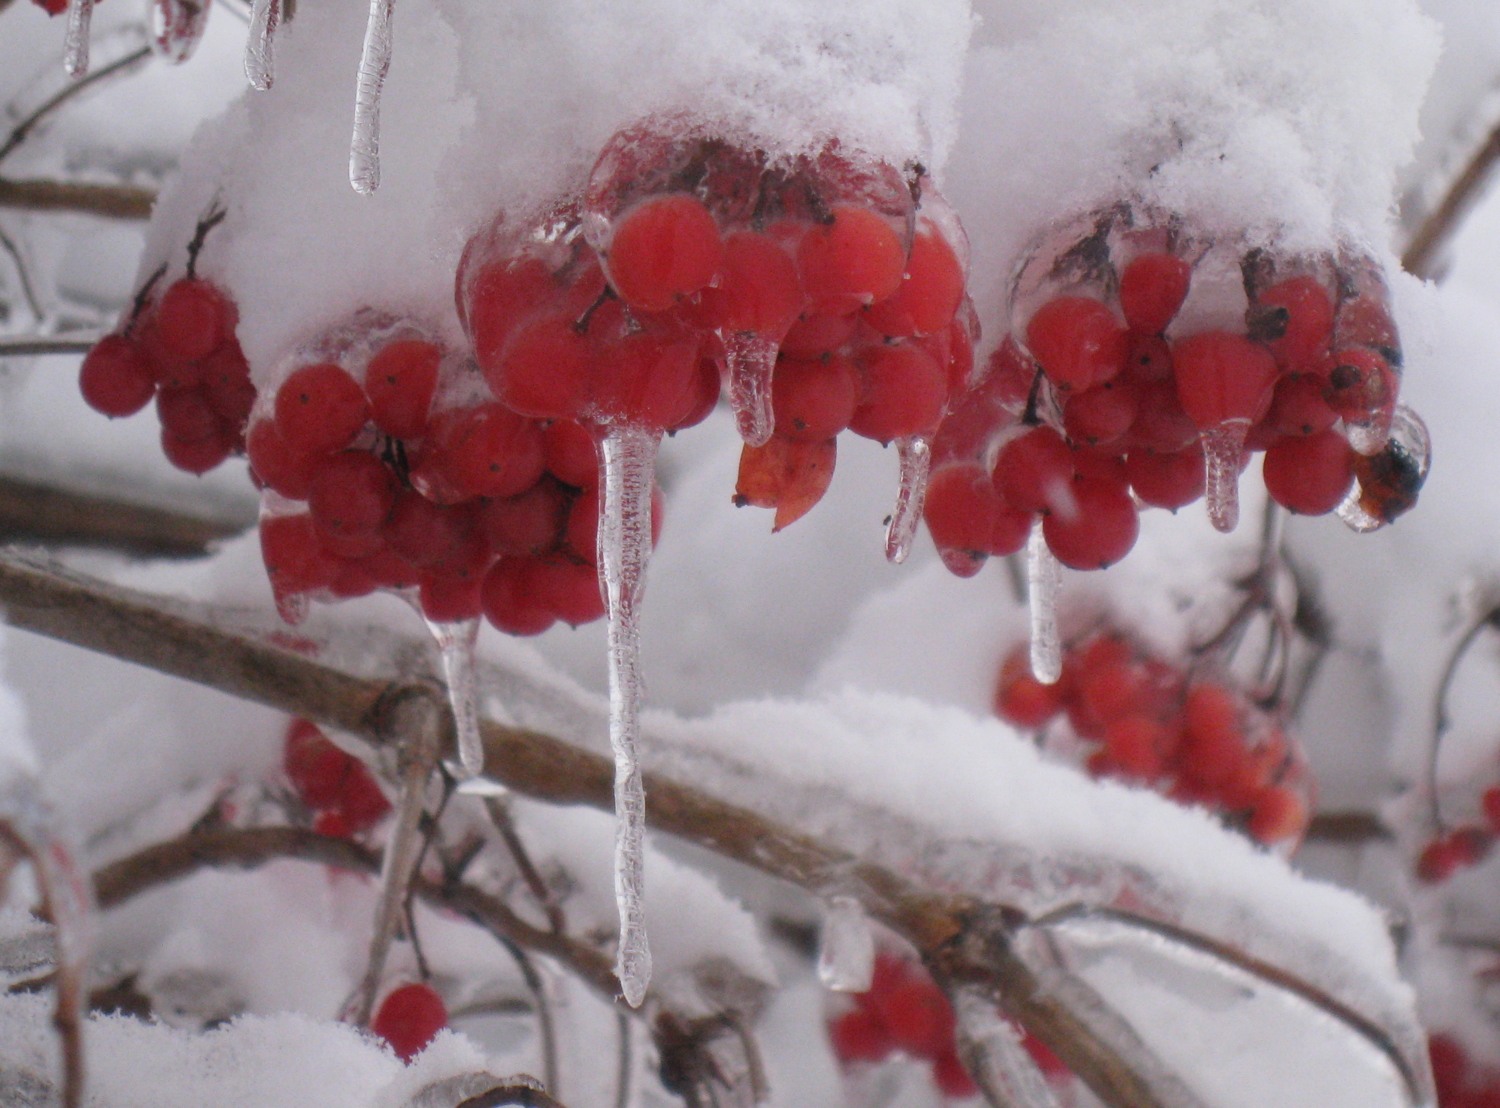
(1196, 740)
(904, 1011)
(409, 1018)
(1465, 845)
(1460, 1082)
(821, 290)
(181, 350)
(1124, 385)
(335, 786)
(477, 508)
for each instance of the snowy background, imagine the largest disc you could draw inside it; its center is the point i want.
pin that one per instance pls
(797, 673)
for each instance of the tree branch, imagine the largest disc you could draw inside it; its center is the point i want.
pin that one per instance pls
(964, 940)
(31, 512)
(109, 201)
(1424, 250)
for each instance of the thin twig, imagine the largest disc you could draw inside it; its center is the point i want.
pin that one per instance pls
(35, 347)
(546, 1030)
(1441, 721)
(499, 810)
(626, 1064)
(24, 128)
(1347, 828)
(1426, 245)
(33, 305)
(109, 201)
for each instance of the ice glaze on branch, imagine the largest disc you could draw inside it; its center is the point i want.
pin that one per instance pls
(966, 942)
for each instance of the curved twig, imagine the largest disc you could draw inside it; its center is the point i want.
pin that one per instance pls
(1440, 718)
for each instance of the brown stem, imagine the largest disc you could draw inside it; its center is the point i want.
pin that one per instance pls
(32, 512)
(1347, 828)
(970, 942)
(1432, 234)
(109, 201)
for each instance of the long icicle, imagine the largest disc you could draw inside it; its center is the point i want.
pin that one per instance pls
(628, 456)
(260, 45)
(456, 643)
(1043, 579)
(374, 63)
(752, 361)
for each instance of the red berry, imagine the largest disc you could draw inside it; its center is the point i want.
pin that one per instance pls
(115, 377)
(502, 295)
(1152, 288)
(438, 538)
(1215, 741)
(930, 292)
(663, 249)
(349, 496)
(1077, 341)
(814, 399)
(968, 520)
(320, 408)
(1166, 480)
(950, 1076)
(295, 561)
(918, 1017)
(193, 319)
(1298, 407)
(569, 590)
(226, 381)
(530, 523)
(1309, 475)
(570, 454)
(196, 456)
(905, 391)
(1463, 846)
(187, 414)
(1021, 699)
(1034, 471)
(1223, 377)
(409, 1018)
(1450, 1066)
(853, 260)
(1279, 816)
(859, 1036)
(1490, 802)
(488, 450)
(758, 292)
(400, 381)
(544, 370)
(450, 599)
(1100, 532)
(1160, 423)
(1360, 384)
(1102, 414)
(315, 767)
(1294, 318)
(277, 464)
(643, 375)
(818, 335)
(509, 601)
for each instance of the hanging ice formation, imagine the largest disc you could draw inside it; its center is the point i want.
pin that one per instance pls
(260, 45)
(374, 63)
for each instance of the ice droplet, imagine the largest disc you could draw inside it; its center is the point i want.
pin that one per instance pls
(995, 1055)
(916, 464)
(1398, 467)
(1043, 579)
(1353, 514)
(177, 27)
(76, 37)
(846, 947)
(374, 63)
(629, 465)
(260, 46)
(456, 643)
(751, 359)
(1222, 446)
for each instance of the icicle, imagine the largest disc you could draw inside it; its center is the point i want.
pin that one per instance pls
(1353, 514)
(996, 1057)
(751, 358)
(76, 37)
(455, 643)
(69, 898)
(846, 947)
(1043, 579)
(1222, 446)
(177, 27)
(260, 47)
(629, 465)
(916, 464)
(374, 62)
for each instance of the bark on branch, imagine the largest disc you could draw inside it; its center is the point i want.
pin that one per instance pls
(109, 201)
(966, 941)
